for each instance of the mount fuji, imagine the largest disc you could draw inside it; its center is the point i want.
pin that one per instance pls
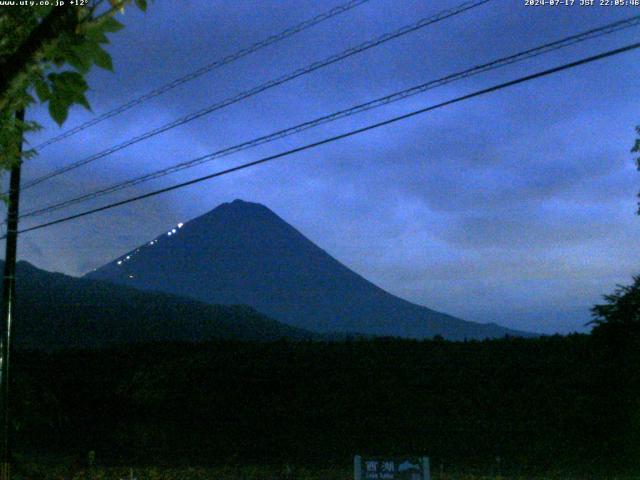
(243, 253)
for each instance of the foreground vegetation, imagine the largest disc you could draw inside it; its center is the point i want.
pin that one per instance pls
(549, 407)
(61, 471)
(556, 404)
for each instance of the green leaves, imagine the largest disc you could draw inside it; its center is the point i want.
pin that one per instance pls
(81, 50)
(58, 111)
(118, 5)
(636, 147)
(79, 45)
(42, 89)
(61, 90)
(102, 59)
(83, 56)
(142, 5)
(111, 25)
(66, 88)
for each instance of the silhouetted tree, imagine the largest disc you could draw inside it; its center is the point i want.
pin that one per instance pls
(636, 149)
(620, 315)
(616, 336)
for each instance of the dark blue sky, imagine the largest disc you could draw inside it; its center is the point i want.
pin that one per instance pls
(517, 207)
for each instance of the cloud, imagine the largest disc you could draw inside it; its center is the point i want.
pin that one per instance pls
(516, 207)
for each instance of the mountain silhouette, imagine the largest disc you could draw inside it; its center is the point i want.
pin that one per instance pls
(55, 311)
(243, 253)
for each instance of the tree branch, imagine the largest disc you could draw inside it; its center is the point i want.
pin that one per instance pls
(60, 19)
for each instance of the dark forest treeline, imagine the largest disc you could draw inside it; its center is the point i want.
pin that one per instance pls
(553, 402)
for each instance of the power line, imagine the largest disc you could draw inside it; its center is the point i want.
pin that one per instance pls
(265, 86)
(397, 96)
(351, 133)
(289, 32)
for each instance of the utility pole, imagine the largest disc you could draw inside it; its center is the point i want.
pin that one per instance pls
(8, 292)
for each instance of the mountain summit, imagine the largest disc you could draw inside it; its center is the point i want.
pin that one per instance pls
(243, 253)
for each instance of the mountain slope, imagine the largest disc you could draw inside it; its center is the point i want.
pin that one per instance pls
(57, 311)
(243, 253)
